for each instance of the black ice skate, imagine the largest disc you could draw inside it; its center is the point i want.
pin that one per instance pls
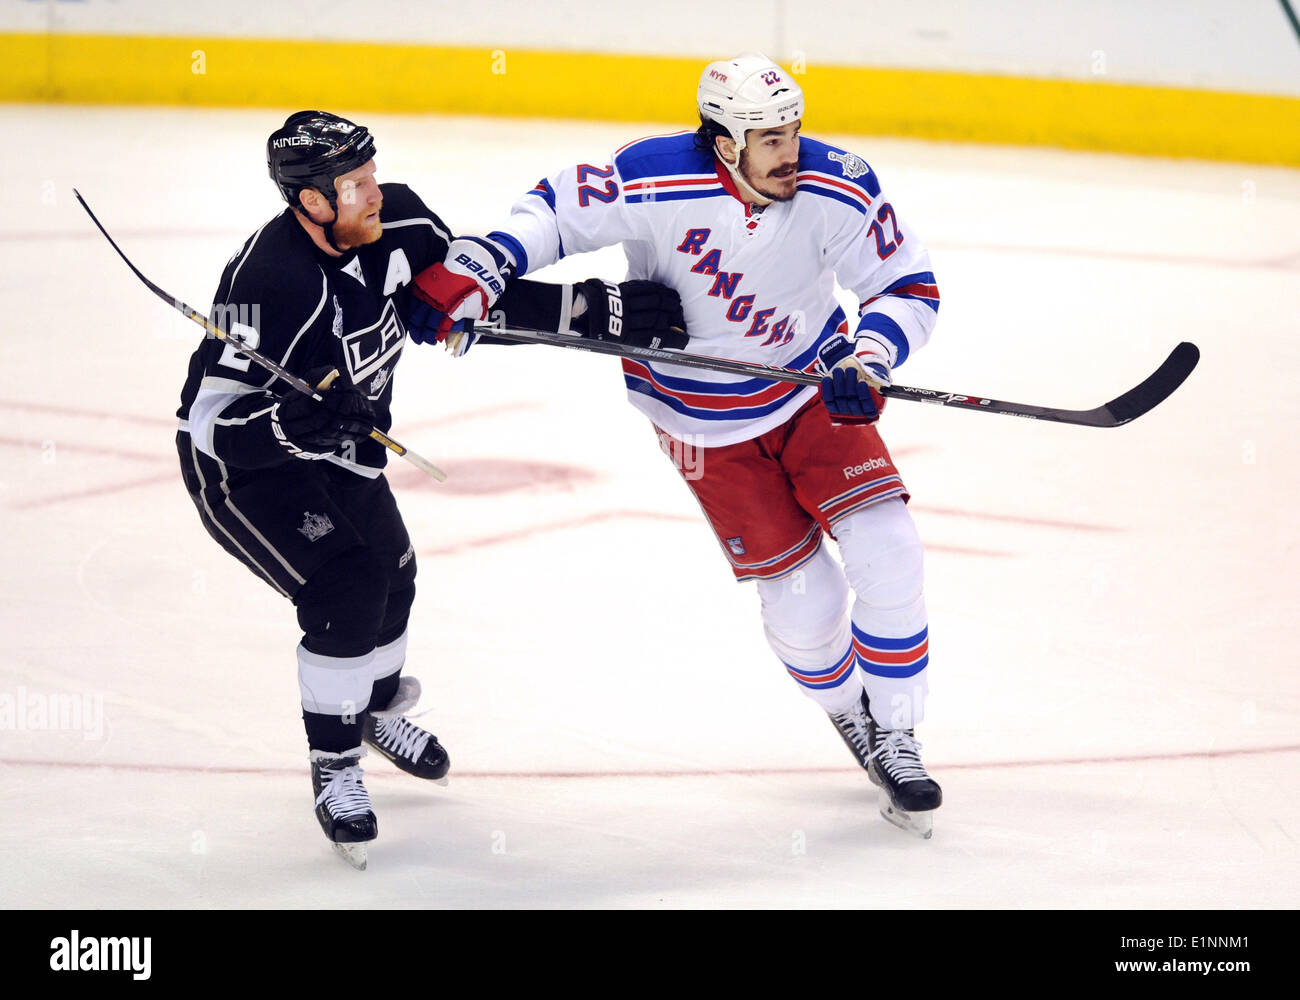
(892, 760)
(343, 804)
(411, 748)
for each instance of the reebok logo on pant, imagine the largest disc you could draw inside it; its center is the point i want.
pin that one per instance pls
(870, 465)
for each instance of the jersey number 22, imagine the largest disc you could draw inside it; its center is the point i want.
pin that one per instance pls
(587, 191)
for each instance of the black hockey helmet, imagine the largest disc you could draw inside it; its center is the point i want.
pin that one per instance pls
(312, 148)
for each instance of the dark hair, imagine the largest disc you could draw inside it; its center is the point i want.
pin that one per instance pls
(706, 133)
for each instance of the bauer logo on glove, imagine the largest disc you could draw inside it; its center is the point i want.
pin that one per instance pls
(640, 313)
(312, 428)
(463, 287)
(851, 382)
(482, 272)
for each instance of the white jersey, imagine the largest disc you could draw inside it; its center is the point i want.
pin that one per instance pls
(755, 285)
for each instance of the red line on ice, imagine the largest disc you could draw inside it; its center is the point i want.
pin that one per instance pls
(83, 449)
(740, 772)
(70, 411)
(575, 522)
(26, 236)
(452, 418)
(164, 477)
(1287, 262)
(1041, 522)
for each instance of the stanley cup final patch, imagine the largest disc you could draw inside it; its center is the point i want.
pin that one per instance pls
(851, 165)
(736, 545)
(315, 526)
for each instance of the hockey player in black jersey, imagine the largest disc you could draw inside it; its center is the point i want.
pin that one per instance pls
(294, 488)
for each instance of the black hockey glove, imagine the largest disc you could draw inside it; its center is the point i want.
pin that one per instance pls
(641, 313)
(308, 429)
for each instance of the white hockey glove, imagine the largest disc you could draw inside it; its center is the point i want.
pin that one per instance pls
(872, 355)
(460, 340)
(462, 287)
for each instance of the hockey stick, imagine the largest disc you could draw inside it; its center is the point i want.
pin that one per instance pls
(421, 463)
(1149, 393)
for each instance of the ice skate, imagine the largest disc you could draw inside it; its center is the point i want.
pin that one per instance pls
(891, 757)
(853, 725)
(415, 750)
(343, 804)
(908, 795)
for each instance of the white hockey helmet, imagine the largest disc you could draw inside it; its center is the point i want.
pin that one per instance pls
(748, 92)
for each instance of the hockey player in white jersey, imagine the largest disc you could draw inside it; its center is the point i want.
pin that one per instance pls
(752, 224)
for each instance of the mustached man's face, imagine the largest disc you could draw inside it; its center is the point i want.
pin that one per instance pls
(770, 160)
(358, 203)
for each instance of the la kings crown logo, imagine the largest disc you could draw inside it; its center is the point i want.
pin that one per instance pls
(851, 165)
(315, 526)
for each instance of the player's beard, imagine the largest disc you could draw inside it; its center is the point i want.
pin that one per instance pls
(358, 232)
(773, 185)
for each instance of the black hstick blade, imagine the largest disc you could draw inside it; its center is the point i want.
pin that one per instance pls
(1156, 388)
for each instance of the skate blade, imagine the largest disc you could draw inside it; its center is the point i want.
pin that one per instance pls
(921, 824)
(443, 781)
(353, 854)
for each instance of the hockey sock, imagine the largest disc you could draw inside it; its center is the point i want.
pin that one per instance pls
(340, 610)
(893, 667)
(803, 618)
(389, 659)
(883, 558)
(835, 687)
(335, 692)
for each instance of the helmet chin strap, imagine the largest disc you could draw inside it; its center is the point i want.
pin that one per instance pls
(327, 227)
(329, 230)
(329, 234)
(742, 185)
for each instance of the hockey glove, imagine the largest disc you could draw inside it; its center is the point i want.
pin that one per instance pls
(462, 287)
(308, 429)
(460, 338)
(852, 376)
(641, 313)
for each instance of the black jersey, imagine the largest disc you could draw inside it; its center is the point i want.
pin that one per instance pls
(306, 309)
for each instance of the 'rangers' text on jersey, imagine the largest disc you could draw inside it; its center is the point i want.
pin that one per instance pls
(756, 284)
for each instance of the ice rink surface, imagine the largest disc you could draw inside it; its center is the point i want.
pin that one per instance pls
(1114, 684)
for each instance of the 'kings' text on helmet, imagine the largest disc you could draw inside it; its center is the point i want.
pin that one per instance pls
(312, 148)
